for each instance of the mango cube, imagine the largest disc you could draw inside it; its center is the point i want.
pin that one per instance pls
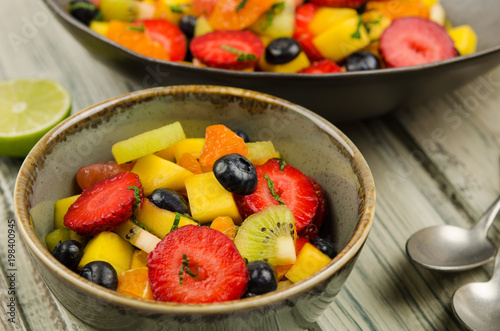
(309, 261)
(375, 23)
(297, 64)
(159, 221)
(342, 39)
(167, 154)
(139, 259)
(261, 151)
(208, 199)
(147, 143)
(109, 247)
(202, 26)
(191, 146)
(61, 208)
(155, 172)
(325, 17)
(465, 39)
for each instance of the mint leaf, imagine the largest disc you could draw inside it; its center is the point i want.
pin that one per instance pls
(241, 55)
(176, 222)
(137, 196)
(357, 33)
(270, 185)
(241, 5)
(275, 9)
(185, 267)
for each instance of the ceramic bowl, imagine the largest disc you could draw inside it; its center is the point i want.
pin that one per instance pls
(306, 140)
(338, 97)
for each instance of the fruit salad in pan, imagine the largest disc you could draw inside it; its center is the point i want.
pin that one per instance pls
(192, 219)
(288, 36)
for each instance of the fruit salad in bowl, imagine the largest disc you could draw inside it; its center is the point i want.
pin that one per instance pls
(194, 207)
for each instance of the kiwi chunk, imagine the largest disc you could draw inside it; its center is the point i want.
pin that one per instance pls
(268, 235)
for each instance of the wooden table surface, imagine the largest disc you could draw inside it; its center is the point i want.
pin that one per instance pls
(437, 163)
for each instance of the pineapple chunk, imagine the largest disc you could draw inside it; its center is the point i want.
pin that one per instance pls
(465, 39)
(325, 17)
(191, 146)
(375, 23)
(173, 10)
(148, 142)
(100, 27)
(137, 236)
(208, 199)
(309, 261)
(109, 247)
(139, 259)
(261, 151)
(61, 208)
(159, 221)
(202, 26)
(155, 172)
(342, 39)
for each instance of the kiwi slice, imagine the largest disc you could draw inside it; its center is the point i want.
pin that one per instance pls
(268, 235)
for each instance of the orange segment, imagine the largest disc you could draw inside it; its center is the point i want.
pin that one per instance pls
(220, 141)
(237, 14)
(189, 162)
(399, 8)
(135, 283)
(225, 225)
(128, 35)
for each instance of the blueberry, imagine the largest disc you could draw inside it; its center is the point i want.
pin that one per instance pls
(187, 24)
(282, 50)
(84, 11)
(262, 278)
(324, 246)
(102, 273)
(168, 199)
(236, 174)
(69, 253)
(362, 60)
(243, 135)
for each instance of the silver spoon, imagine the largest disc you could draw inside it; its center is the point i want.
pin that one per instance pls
(452, 248)
(477, 305)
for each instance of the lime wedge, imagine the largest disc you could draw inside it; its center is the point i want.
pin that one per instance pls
(29, 108)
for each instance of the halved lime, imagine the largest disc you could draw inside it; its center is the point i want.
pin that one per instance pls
(29, 108)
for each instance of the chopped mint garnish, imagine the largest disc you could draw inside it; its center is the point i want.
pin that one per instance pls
(185, 267)
(241, 56)
(270, 185)
(136, 28)
(176, 222)
(241, 5)
(177, 9)
(137, 196)
(370, 23)
(275, 9)
(357, 33)
(282, 164)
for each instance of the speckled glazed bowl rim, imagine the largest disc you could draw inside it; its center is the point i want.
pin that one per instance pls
(56, 8)
(21, 206)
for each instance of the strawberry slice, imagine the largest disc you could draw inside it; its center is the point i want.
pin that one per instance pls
(227, 49)
(291, 187)
(105, 205)
(196, 264)
(339, 3)
(303, 16)
(168, 35)
(412, 40)
(91, 174)
(312, 229)
(324, 66)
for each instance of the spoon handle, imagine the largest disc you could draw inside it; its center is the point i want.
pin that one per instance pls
(487, 219)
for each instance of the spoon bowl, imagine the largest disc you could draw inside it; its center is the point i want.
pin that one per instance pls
(477, 305)
(451, 248)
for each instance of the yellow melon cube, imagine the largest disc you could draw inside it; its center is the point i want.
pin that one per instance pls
(202, 26)
(309, 261)
(325, 17)
(159, 221)
(139, 259)
(191, 146)
(208, 199)
(61, 208)
(109, 247)
(100, 27)
(342, 39)
(261, 151)
(465, 39)
(155, 172)
(297, 64)
(147, 143)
